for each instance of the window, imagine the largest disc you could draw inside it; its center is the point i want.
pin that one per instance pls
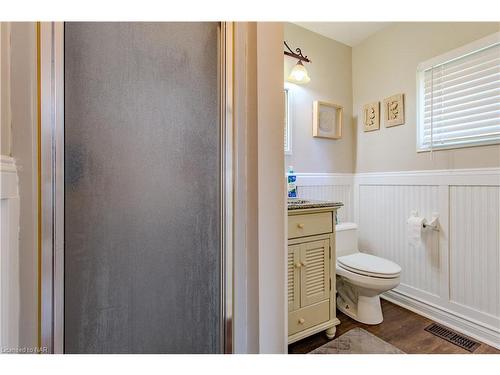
(459, 97)
(288, 126)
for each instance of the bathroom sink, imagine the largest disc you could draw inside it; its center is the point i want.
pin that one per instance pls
(298, 203)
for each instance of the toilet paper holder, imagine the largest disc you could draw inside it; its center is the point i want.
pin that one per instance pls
(433, 224)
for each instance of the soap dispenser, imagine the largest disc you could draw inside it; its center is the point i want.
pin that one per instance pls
(292, 183)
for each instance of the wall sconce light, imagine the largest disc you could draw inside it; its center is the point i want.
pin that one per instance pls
(299, 73)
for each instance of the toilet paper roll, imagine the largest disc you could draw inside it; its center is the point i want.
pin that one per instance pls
(415, 226)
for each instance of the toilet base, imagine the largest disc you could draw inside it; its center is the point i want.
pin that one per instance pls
(366, 310)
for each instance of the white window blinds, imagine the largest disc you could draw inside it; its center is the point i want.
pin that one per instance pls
(459, 97)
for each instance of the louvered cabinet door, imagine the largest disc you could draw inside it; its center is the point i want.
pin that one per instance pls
(314, 272)
(293, 277)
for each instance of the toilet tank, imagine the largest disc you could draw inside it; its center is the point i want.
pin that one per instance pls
(346, 239)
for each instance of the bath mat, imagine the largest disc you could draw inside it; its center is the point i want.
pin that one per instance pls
(357, 341)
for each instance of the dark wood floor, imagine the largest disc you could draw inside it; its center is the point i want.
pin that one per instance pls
(401, 328)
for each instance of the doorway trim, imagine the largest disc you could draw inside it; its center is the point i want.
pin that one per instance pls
(227, 185)
(50, 66)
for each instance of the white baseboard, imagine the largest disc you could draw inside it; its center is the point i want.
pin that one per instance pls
(440, 315)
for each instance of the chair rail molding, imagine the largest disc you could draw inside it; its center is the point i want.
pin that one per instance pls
(9, 177)
(475, 176)
(312, 179)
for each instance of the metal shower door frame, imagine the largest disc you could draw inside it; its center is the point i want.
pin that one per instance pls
(50, 67)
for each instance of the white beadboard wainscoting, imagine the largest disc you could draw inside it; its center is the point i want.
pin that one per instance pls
(453, 277)
(9, 254)
(336, 187)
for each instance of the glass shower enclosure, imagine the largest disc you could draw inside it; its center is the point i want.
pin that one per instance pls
(140, 257)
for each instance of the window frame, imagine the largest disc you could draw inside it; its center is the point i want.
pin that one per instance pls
(468, 49)
(288, 122)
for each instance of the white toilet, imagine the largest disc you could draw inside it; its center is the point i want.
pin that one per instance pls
(361, 278)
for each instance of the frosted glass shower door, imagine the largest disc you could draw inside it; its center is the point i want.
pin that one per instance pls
(142, 188)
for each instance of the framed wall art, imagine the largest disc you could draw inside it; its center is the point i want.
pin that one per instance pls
(371, 116)
(394, 110)
(327, 120)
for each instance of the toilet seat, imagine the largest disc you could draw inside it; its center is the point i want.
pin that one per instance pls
(369, 265)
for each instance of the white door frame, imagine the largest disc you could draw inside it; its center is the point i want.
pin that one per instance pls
(50, 41)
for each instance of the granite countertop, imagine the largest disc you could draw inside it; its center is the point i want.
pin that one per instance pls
(301, 204)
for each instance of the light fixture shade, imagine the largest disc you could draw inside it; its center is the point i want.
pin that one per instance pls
(299, 74)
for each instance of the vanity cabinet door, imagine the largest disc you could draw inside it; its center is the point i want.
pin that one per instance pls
(293, 277)
(314, 272)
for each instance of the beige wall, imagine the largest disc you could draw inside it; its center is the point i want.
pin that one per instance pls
(5, 137)
(386, 64)
(330, 73)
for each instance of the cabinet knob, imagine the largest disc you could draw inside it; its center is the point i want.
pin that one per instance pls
(301, 321)
(300, 225)
(303, 264)
(298, 265)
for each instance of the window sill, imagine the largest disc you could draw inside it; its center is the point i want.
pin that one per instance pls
(458, 146)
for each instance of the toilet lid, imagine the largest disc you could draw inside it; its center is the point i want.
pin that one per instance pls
(369, 265)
